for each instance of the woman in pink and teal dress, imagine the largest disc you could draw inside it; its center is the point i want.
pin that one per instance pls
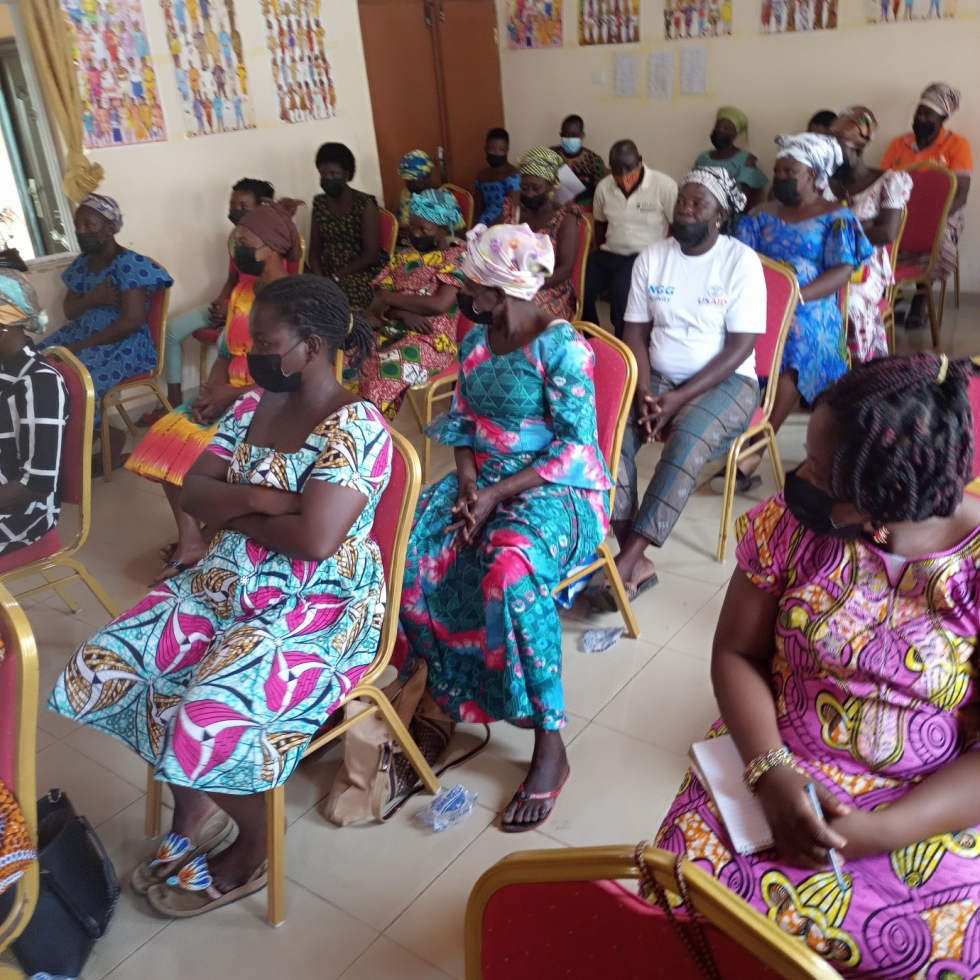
(222, 674)
(846, 656)
(528, 501)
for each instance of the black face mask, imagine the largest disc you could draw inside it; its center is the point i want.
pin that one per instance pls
(332, 186)
(244, 258)
(424, 243)
(844, 172)
(924, 132)
(465, 304)
(89, 242)
(690, 235)
(785, 191)
(535, 203)
(813, 508)
(236, 214)
(496, 159)
(720, 139)
(266, 371)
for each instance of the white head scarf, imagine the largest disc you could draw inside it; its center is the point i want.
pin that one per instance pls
(822, 154)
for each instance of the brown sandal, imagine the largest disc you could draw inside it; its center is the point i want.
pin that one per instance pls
(191, 892)
(174, 848)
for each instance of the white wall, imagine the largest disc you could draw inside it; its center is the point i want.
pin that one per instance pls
(778, 81)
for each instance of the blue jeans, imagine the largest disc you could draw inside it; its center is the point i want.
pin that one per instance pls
(179, 328)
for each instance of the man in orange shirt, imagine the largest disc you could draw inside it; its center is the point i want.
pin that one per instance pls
(930, 141)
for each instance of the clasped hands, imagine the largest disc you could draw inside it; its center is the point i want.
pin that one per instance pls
(472, 510)
(654, 413)
(212, 402)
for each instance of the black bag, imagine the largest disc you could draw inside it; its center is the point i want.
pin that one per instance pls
(78, 892)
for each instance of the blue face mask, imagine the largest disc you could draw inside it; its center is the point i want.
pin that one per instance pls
(571, 145)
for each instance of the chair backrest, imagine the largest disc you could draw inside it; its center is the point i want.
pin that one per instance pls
(615, 385)
(893, 248)
(156, 319)
(392, 526)
(933, 191)
(581, 261)
(389, 231)
(782, 298)
(296, 268)
(465, 201)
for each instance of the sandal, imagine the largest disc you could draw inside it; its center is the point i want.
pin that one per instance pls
(182, 850)
(523, 797)
(191, 891)
(603, 600)
(165, 575)
(743, 483)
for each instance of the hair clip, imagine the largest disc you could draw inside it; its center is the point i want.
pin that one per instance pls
(350, 325)
(943, 368)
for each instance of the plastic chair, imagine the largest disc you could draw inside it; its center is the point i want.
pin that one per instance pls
(886, 305)
(562, 913)
(116, 397)
(49, 553)
(581, 261)
(465, 201)
(392, 527)
(615, 386)
(18, 737)
(933, 192)
(208, 336)
(389, 231)
(782, 297)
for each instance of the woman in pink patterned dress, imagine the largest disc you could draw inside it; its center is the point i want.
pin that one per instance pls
(846, 656)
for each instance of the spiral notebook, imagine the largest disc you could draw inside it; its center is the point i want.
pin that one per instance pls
(717, 763)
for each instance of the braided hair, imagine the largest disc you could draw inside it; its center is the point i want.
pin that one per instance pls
(905, 450)
(311, 304)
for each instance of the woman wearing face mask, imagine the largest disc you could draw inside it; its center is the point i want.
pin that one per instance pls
(877, 197)
(845, 656)
(415, 300)
(527, 501)
(264, 241)
(586, 164)
(730, 123)
(697, 305)
(345, 235)
(825, 243)
(537, 209)
(107, 302)
(497, 181)
(200, 683)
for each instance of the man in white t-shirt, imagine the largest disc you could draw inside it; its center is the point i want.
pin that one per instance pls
(632, 208)
(696, 306)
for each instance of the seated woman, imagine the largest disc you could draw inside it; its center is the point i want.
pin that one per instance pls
(415, 300)
(697, 386)
(877, 197)
(345, 234)
(730, 123)
(537, 209)
(825, 243)
(497, 181)
(107, 303)
(528, 500)
(34, 406)
(197, 677)
(265, 240)
(418, 172)
(845, 656)
(586, 164)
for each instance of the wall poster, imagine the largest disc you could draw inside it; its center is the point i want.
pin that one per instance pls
(706, 18)
(608, 22)
(534, 24)
(901, 11)
(789, 16)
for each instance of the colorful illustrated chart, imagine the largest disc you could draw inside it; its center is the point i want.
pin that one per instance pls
(608, 22)
(706, 18)
(534, 24)
(789, 16)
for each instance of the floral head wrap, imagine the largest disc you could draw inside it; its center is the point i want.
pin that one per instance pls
(941, 98)
(438, 206)
(415, 165)
(105, 206)
(856, 126)
(735, 116)
(541, 162)
(722, 184)
(511, 258)
(18, 303)
(822, 154)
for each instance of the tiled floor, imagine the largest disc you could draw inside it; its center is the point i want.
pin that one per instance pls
(378, 902)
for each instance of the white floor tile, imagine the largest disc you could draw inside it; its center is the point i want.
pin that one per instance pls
(385, 959)
(695, 639)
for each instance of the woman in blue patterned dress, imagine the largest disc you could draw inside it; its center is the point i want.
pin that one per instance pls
(527, 502)
(497, 181)
(107, 303)
(221, 675)
(824, 243)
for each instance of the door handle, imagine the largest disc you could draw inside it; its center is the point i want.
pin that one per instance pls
(427, 10)
(442, 13)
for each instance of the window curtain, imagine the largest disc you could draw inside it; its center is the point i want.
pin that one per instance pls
(51, 48)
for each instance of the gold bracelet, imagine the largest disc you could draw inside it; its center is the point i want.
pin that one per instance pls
(761, 764)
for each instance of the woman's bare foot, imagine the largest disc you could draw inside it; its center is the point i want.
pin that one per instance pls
(192, 811)
(183, 557)
(166, 553)
(547, 774)
(236, 864)
(635, 572)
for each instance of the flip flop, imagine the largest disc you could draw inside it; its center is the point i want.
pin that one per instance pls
(523, 797)
(177, 566)
(604, 601)
(191, 891)
(182, 850)
(743, 483)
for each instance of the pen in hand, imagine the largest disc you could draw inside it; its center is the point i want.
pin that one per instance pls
(834, 859)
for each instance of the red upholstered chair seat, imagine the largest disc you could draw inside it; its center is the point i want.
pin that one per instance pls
(44, 547)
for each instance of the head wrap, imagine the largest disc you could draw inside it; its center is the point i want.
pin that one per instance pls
(438, 206)
(106, 207)
(735, 116)
(856, 126)
(511, 258)
(18, 303)
(821, 154)
(415, 165)
(271, 222)
(722, 184)
(940, 97)
(541, 162)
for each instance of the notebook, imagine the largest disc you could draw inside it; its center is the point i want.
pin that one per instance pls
(717, 763)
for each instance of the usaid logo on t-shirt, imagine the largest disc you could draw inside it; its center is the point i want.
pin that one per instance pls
(716, 297)
(661, 294)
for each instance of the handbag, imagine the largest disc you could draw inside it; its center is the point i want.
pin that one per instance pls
(78, 892)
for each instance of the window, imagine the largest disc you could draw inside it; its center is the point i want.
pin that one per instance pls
(35, 217)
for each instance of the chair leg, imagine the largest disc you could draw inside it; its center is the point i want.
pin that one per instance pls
(728, 497)
(933, 320)
(275, 818)
(154, 804)
(94, 587)
(158, 391)
(106, 452)
(66, 596)
(776, 460)
(619, 592)
(417, 413)
(956, 281)
(127, 418)
(203, 364)
(942, 309)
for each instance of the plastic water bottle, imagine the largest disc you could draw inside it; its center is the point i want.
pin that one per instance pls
(449, 807)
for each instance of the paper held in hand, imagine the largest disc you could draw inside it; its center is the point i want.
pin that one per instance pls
(569, 186)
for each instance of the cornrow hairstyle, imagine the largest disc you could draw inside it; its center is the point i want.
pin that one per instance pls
(338, 154)
(312, 304)
(261, 190)
(906, 436)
